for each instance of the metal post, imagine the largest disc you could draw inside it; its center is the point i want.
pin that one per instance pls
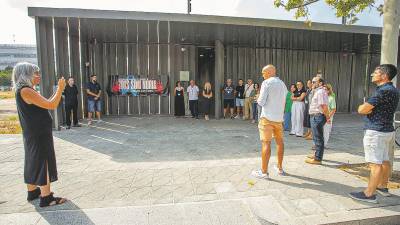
(366, 81)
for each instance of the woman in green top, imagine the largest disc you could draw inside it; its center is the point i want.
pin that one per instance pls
(288, 108)
(332, 111)
(256, 109)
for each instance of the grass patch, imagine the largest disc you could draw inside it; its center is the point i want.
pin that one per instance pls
(10, 125)
(7, 94)
(362, 171)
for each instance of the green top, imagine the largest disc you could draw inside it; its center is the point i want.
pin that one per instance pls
(289, 102)
(331, 102)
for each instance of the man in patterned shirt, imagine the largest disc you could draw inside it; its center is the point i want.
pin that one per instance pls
(379, 132)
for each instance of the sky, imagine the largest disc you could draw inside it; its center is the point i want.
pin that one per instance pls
(17, 27)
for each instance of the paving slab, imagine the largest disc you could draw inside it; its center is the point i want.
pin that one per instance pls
(160, 172)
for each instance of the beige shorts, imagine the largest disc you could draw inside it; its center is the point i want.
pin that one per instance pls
(378, 146)
(269, 129)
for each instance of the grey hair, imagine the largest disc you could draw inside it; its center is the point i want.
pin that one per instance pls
(23, 73)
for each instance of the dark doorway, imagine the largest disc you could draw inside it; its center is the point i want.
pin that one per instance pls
(205, 73)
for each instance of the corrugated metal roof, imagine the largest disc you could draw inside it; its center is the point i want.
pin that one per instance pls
(192, 18)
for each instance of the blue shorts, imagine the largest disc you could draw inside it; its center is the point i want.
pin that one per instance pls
(239, 102)
(94, 105)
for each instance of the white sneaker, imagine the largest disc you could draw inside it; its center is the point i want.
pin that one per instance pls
(237, 117)
(99, 121)
(259, 174)
(90, 122)
(279, 172)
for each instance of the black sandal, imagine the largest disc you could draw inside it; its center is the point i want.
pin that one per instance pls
(50, 200)
(32, 195)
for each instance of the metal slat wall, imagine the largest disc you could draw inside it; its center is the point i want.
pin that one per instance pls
(129, 52)
(152, 48)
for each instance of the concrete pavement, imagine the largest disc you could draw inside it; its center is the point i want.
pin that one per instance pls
(162, 170)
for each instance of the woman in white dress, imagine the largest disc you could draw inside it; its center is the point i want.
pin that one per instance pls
(298, 108)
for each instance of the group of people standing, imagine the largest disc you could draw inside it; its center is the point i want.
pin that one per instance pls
(378, 110)
(297, 109)
(40, 167)
(193, 95)
(241, 98)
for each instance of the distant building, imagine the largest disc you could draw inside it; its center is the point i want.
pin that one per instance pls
(11, 54)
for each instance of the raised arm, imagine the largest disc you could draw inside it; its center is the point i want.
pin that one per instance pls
(30, 96)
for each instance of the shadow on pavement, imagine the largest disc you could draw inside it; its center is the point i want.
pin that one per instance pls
(164, 138)
(336, 189)
(67, 213)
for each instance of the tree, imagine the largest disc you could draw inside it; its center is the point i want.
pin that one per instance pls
(5, 77)
(349, 9)
(343, 8)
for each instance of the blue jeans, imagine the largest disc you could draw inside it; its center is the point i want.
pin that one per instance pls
(317, 126)
(287, 121)
(255, 112)
(94, 105)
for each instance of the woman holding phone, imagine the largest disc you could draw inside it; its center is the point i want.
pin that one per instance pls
(40, 168)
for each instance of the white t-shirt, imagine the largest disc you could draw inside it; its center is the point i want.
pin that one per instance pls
(248, 89)
(193, 92)
(272, 99)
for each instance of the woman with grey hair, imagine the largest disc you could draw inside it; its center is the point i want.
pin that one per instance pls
(40, 161)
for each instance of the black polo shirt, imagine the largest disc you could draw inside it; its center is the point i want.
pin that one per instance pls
(384, 100)
(94, 88)
(71, 95)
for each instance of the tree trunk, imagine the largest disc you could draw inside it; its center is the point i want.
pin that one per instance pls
(390, 38)
(390, 32)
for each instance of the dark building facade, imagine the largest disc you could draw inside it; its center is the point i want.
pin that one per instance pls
(80, 42)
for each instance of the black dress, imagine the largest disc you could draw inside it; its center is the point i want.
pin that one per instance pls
(207, 103)
(179, 103)
(37, 135)
(306, 121)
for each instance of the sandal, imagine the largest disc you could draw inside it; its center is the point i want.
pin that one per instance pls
(32, 195)
(50, 200)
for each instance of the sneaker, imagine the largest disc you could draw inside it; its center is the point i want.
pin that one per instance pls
(291, 134)
(280, 172)
(237, 117)
(384, 192)
(77, 125)
(68, 127)
(360, 196)
(253, 121)
(259, 174)
(313, 161)
(99, 120)
(90, 122)
(232, 117)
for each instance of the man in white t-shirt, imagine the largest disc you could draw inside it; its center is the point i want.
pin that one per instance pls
(193, 92)
(248, 109)
(272, 99)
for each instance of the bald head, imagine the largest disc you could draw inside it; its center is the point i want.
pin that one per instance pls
(269, 71)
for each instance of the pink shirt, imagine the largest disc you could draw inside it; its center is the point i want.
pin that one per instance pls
(320, 98)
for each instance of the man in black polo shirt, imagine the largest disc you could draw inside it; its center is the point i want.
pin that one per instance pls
(93, 91)
(379, 132)
(71, 103)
